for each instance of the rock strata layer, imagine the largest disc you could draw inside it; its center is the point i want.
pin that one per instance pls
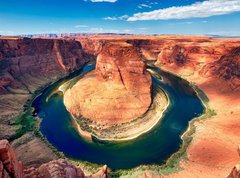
(208, 57)
(117, 91)
(28, 64)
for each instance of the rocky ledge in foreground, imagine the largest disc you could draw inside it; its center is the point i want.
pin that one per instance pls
(118, 91)
(11, 167)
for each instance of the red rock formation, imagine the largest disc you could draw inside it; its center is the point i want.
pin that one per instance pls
(10, 167)
(118, 92)
(209, 57)
(22, 60)
(227, 67)
(61, 169)
(235, 173)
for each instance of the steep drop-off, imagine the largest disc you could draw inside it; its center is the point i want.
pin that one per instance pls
(203, 55)
(25, 66)
(118, 91)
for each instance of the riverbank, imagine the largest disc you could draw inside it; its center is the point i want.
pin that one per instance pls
(212, 150)
(130, 130)
(165, 81)
(30, 145)
(173, 164)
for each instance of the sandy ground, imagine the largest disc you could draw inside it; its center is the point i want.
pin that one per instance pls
(213, 151)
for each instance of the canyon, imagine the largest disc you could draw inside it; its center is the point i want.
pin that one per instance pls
(213, 64)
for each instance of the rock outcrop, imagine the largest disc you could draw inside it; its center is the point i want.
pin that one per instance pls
(235, 173)
(10, 167)
(118, 91)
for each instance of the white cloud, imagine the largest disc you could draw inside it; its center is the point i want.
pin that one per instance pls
(153, 3)
(103, 0)
(80, 26)
(196, 10)
(140, 6)
(124, 17)
(110, 18)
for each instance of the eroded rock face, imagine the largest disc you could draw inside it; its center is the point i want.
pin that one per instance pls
(10, 167)
(55, 169)
(227, 67)
(118, 91)
(207, 57)
(235, 173)
(22, 60)
(61, 169)
(27, 64)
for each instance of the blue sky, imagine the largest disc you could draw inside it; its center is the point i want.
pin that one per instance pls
(219, 17)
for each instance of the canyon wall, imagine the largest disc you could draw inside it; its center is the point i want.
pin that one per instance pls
(10, 167)
(28, 64)
(209, 57)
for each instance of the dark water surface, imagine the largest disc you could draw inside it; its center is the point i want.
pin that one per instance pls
(151, 148)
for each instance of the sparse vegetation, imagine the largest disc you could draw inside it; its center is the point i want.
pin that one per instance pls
(26, 122)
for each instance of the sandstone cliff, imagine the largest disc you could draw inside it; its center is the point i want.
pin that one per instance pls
(27, 64)
(10, 167)
(117, 92)
(208, 57)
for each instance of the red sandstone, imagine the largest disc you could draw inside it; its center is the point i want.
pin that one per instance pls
(117, 92)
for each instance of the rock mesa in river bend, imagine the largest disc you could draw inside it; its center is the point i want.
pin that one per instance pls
(117, 91)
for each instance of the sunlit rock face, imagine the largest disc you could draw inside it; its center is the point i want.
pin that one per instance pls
(117, 91)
